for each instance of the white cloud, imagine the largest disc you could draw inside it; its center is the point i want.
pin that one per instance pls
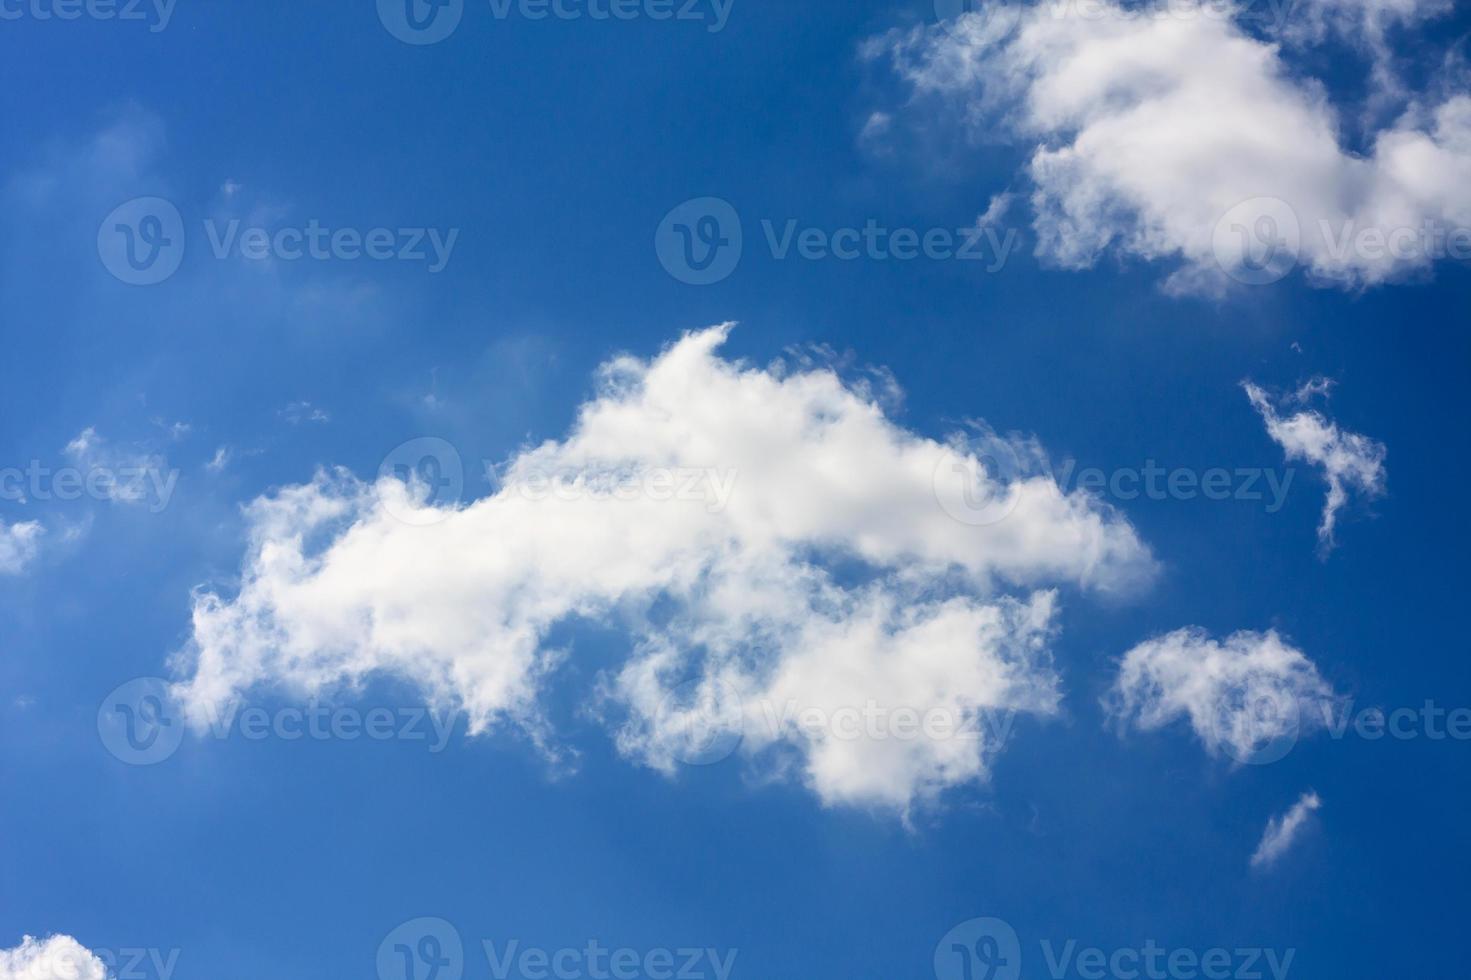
(1348, 460)
(128, 476)
(1248, 696)
(299, 412)
(1283, 830)
(1182, 138)
(56, 958)
(831, 572)
(18, 543)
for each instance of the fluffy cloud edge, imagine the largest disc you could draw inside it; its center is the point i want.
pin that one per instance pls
(1247, 697)
(951, 606)
(57, 957)
(1158, 137)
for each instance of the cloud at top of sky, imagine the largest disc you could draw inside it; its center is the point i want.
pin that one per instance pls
(1176, 135)
(828, 560)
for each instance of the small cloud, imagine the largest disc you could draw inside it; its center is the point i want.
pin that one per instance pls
(876, 135)
(303, 411)
(230, 188)
(18, 544)
(85, 442)
(1349, 461)
(1283, 830)
(175, 430)
(220, 461)
(996, 210)
(1314, 387)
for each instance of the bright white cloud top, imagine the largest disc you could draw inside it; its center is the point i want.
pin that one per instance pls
(18, 544)
(1349, 461)
(1248, 696)
(1282, 830)
(56, 958)
(737, 590)
(1173, 133)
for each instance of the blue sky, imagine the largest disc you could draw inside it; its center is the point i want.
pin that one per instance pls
(1107, 328)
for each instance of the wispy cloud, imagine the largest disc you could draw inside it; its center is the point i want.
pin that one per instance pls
(1348, 460)
(1284, 829)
